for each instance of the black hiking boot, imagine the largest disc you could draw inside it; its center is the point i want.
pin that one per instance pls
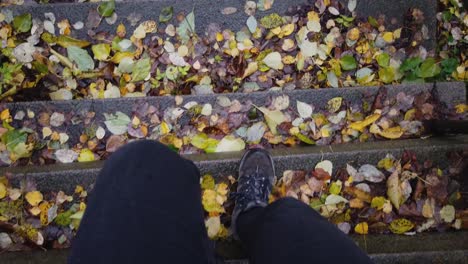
(255, 182)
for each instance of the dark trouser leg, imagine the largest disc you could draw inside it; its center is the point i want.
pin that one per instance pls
(145, 208)
(289, 231)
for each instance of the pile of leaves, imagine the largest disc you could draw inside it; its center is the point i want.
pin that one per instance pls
(399, 196)
(31, 219)
(452, 38)
(320, 45)
(50, 136)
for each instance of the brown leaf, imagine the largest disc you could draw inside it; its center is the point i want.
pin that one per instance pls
(114, 142)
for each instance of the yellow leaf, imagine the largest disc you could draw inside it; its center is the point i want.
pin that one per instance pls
(286, 30)
(207, 182)
(334, 104)
(251, 68)
(210, 202)
(35, 211)
(288, 59)
(460, 108)
(362, 228)
(3, 190)
(409, 115)
(361, 125)
(34, 198)
(388, 37)
(121, 30)
(378, 202)
(164, 128)
(5, 115)
(392, 133)
(222, 189)
(119, 56)
(86, 155)
(219, 37)
(401, 226)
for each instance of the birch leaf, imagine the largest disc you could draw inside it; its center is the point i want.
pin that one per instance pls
(81, 58)
(273, 118)
(304, 110)
(273, 60)
(229, 144)
(117, 123)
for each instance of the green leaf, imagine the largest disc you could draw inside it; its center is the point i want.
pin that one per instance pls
(335, 187)
(106, 9)
(429, 68)
(13, 138)
(387, 75)
(66, 41)
(81, 58)
(305, 139)
(271, 21)
(118, 123)
(22, 23)
(373, 21)
(273, 118)
(449, 65)
(166, 14)
(348, 63)
(186, 27)
(410, 64)
(141, 70)
(202, 141)
(101, 51)
(383, 60)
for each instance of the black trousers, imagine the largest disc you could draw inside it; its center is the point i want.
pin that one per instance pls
(146, 208)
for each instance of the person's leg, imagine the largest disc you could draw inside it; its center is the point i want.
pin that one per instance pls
(289, 231)
(145, 208)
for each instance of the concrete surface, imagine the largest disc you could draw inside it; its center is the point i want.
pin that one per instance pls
(66, 176)
(206, 12)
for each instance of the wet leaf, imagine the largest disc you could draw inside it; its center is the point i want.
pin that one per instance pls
(117, 123)
(335, 187)
(81, 58)
(401, 226)
(166, 14)
(22, 23)
(106, 9)
(203, 142)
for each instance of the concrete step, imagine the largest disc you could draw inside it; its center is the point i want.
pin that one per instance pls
(76, 111)
(434, 248)
(206, 12)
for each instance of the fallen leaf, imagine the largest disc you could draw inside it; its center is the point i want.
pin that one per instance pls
(304, 109)
(401, 226)
(34, 198)
(117, 123)
(86, 155)
(81, 58)
(273, 118)
(325, 165)
(334, 104)
(447, 213)
(371, 173)
(106, 9)
(362, 228)
(229, 144)
(273, 60)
